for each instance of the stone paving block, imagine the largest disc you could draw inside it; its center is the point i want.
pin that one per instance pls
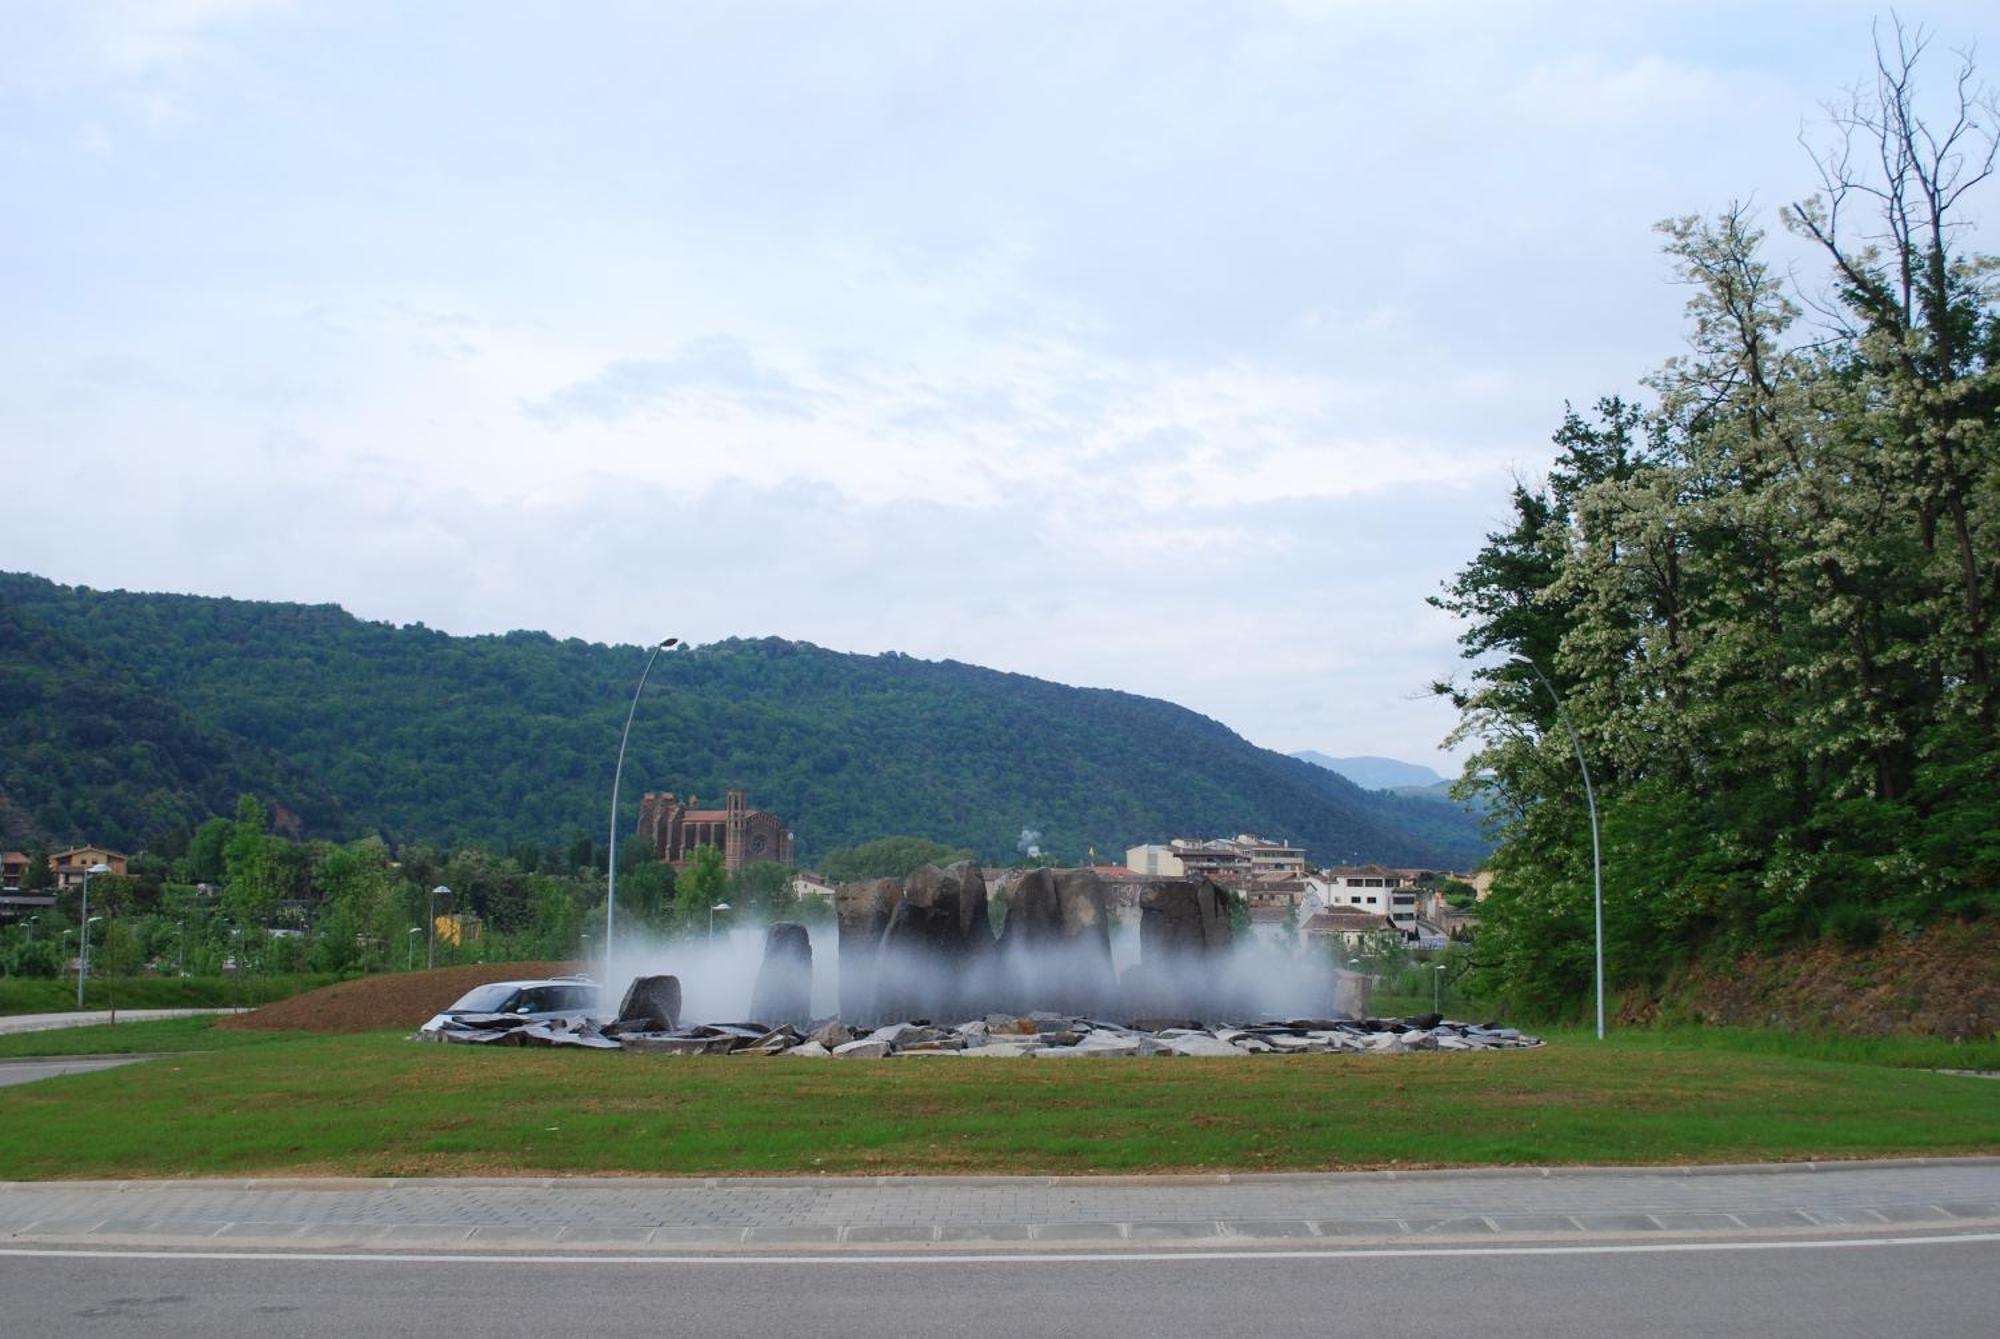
(1845, 1217)
(879, 1232)
(1697, 1222)
(153, 1227)
(1772, 1218)
(1076, 1232)
(606, 1236)
(1269, 1228)
(698, 1236)
(982, 1232)
(1971, 1209)
(1176, 1231)
(1361, 1227)
(1617, 1222)
(422, 1234)
(1460, 1226)
(796, 1234)
(1534, 1222)
(326, 1234)
(1913, 1213)
(259, 1231)
(511, 1236)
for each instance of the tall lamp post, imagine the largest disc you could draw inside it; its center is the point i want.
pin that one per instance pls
(617, 775)
(83, 915)
(410, 956)
(1596, 848)
(719, 906)
(1437, 980)
(431, 927)
(83, 958)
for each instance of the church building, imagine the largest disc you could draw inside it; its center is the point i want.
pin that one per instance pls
(676, 830)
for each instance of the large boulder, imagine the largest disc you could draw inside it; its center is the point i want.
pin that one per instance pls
(931, 960)
(1182, 917)
(651, 1004)
(1055, 948)
(863, 911)
(783, 993)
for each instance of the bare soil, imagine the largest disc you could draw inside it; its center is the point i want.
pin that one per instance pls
(1944, 982)
(391, 1000)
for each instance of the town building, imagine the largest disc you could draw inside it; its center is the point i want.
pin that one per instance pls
(805, 883)
(1154, 861)
(676, 829)
(70, 866)
(13, 869)
(1352, 928)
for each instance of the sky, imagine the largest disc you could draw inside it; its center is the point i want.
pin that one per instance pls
(1180, 348)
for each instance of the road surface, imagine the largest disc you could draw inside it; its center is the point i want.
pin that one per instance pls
(85, 1017)
(27, 1071)
(1937, 1288)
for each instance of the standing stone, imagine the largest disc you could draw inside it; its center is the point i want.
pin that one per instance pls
(1055, 949)
(784, 983)
(1182, 917)
(651, 1004)
(863, 910)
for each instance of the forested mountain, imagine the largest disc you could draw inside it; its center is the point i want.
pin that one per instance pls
(364, 728)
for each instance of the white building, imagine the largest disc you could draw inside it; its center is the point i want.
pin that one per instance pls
(1154, 861)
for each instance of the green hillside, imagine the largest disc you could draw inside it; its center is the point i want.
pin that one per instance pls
(510, 738)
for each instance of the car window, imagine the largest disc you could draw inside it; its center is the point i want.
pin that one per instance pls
(576, 999)
(492, 999)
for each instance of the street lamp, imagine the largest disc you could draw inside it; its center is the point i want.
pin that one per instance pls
(430, 934)
(410, 957)
(719, 906)
(1437, 977)
(1596, 850)
(83, 914)
(83, 957)
(617, 775)
(181, 931)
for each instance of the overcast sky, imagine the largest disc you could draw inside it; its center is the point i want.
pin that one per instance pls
(1177, 348)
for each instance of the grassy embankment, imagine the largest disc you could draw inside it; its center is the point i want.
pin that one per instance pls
(375, 1104)
(43, 995)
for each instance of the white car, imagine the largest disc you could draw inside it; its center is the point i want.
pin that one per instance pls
(548, 997)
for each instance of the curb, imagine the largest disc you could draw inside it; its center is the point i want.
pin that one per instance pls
(294, 1183)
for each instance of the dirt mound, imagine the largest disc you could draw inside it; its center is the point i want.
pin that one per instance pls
(391, 1000)
(1944, 982)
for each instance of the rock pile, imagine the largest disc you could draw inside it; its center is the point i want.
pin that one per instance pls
(1051, 1035)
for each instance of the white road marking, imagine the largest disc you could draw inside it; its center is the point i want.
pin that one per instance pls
(1039, 1257)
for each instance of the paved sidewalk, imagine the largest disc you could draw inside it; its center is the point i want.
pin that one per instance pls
(85, 1017)
(1411, 1208)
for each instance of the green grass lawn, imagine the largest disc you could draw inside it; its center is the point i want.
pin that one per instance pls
(152, 1037)
(380, 1105)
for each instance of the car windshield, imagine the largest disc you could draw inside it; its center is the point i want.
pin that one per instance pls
(486, 999)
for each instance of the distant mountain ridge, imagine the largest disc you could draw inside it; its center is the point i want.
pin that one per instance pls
(360, 727)
(1373, 773)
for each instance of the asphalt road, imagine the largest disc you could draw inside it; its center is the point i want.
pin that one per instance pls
(1937, 1288)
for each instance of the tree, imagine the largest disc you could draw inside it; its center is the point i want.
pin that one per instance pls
(1765, 596)
(701, 885)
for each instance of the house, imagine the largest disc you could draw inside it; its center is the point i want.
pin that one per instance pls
(70, 866)
(13, 869)
(1271, 860)
(1154, 861)
(1217, 860)
(675, 829)
(805, 884)
(1352, 928)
